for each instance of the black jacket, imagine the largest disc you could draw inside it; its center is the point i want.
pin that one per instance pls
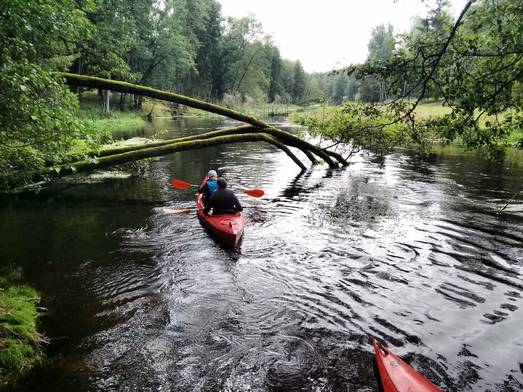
(223, 201)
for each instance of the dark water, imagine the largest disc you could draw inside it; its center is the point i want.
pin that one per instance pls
(416, 255)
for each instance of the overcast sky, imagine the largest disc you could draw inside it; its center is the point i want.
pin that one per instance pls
(327, 34)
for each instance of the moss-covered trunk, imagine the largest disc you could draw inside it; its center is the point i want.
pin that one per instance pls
(150, 152)
(123, 87)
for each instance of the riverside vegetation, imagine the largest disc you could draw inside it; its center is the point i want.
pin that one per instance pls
(472, 66)
(20, 343)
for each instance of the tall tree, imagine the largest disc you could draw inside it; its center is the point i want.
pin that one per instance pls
(339, 87)
(381, 48)
(381, 43)
(160, 50)
(276, 84)
(298, 90)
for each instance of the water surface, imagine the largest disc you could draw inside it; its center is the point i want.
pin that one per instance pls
(414, 254)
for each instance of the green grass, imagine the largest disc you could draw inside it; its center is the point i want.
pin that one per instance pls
(158, 108)
(323, 112)
(193, 112)
(431, 109)
(516, 138)
(423, 111)
(91, 113)
(116, 121)
(19, 340)
(258, 110)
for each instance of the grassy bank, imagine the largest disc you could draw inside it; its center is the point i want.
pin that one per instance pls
(120, 120)
(91, 113)
(423, 111)
(20, 347)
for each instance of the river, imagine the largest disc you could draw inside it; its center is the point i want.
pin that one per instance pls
(413, 253)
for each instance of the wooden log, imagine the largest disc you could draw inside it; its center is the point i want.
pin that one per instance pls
(131, 156)
(119, 150)
(207, 135)
(124, 87)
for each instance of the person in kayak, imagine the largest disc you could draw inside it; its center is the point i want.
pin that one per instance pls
(223, 201)
(209, 187)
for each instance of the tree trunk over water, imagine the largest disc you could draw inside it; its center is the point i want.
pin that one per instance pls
(289, 139)
(154, 151)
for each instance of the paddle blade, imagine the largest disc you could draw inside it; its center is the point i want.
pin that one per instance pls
(180, 210)
(180, 184)
(254, 192)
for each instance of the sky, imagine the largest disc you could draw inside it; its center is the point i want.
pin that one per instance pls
(327, 34)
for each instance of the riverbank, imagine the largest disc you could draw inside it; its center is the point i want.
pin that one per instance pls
(118, 120)
(20, 343)
(323, 114)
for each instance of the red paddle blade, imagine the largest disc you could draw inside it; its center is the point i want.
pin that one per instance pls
(254, 192)
(180, 184)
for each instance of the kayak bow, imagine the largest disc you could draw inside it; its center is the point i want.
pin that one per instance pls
(397, 376)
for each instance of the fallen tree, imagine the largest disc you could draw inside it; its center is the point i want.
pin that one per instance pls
(121, 149)
(256, 130)
(284, 137)
(207, 135)
(154, 151)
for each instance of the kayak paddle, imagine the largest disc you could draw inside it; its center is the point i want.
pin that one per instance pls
(180, 184)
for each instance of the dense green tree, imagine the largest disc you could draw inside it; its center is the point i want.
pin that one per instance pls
(351, 88)
(201, 25)
(475, 64)
(287, 80)
(160, 49)
(37, 123)
(339, 86)
(381, 48)
(276, 88)
(103, 52)
(381, 43)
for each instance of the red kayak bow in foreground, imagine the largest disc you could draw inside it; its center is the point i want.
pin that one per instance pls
(397, 376)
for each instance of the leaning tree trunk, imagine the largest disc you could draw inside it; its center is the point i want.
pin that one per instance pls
(131, 156)
(289, 139)
(207, 135)
(150, 152)
(106, 101)
(120, 150)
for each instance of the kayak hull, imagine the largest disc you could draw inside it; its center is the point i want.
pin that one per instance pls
(398, 376)
(226, 228)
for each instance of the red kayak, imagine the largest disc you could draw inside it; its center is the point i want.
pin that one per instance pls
(397, 376)
(227, 228)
